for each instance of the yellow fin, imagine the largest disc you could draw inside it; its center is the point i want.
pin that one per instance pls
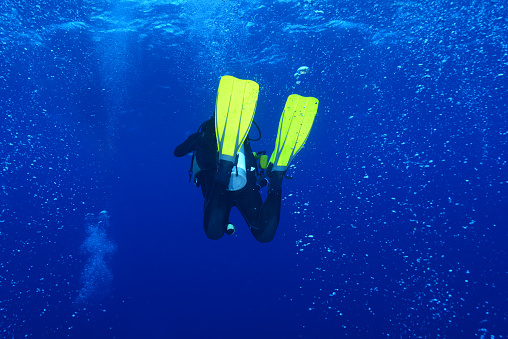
(234, 111)
(294, 128)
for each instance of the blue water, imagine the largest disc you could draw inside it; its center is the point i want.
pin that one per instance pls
(395, 222)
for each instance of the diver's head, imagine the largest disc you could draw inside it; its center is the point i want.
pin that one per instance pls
(208, 125)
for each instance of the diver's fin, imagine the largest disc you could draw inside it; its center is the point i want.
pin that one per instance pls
(234, 112)
(294, 128)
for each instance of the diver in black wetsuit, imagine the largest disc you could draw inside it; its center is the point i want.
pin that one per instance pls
(213, 178)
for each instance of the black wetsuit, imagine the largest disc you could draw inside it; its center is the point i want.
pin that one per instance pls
(262, 218)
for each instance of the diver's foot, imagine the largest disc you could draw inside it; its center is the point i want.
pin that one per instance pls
(262, 183)
(224, 170)
(230, 229)
(275, 178)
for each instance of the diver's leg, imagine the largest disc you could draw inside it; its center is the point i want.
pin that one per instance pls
(218, 205)
(216, 215)
(248, 201)
(269, 214)
(205, 182)
(269, 218)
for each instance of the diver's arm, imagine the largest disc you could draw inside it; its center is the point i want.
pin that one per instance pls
(189, 145)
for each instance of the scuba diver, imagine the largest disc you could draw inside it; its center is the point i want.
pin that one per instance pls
(226, 168)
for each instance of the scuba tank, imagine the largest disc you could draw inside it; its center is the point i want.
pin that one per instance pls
(238, 178)
(239, 173)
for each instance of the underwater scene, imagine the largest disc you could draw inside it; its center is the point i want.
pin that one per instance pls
(394, 214)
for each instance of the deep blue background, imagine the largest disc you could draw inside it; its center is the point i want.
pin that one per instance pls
(395, 223)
